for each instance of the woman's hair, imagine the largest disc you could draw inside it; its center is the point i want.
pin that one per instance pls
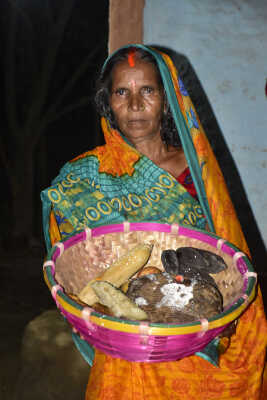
(168, 131)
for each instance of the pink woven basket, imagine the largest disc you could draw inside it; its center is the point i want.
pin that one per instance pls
(142, 341)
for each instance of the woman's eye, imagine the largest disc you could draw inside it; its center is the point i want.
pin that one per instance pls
(120, 92)
(147, 90)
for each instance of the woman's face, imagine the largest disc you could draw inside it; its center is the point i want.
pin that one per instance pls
(137, 100)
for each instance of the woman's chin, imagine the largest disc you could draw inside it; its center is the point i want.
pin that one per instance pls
(139, 135)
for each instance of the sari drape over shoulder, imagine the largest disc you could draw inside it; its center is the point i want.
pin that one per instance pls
(114, 182)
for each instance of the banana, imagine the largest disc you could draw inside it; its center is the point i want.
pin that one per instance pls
(87, 295)
(117, 302)
(119, 272)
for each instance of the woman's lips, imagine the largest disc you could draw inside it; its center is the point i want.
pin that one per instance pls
(137, 123)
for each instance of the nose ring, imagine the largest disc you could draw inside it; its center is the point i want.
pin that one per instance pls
(142, 107)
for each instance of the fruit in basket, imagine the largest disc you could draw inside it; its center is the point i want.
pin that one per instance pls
(193, 263)
(119, 304)
(127, 265)
(170, 262)
(207, 301)
(119, 272)
(204, 260)
(167, 301)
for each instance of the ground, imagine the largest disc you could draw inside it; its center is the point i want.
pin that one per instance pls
(24, 295)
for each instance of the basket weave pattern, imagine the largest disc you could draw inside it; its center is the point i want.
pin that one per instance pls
(74, 262)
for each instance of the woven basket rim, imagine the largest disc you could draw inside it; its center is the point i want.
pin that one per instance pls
(72, 307)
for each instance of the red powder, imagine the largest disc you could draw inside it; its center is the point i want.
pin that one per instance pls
(131, 58)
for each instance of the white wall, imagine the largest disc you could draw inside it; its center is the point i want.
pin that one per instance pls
(226, 43)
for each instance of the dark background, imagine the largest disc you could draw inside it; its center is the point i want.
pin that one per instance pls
(24, 294)
(74, 132)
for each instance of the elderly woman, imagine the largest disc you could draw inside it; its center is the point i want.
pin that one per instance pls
(156, 165)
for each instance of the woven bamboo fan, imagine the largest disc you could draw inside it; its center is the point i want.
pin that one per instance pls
(75, 261)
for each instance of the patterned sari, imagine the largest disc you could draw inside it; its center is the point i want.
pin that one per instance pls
(114, 182)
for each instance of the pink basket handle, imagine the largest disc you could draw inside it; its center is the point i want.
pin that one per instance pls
(175, 229)
(144, 331)
(204, 327)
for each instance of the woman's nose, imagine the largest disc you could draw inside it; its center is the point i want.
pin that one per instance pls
(136, 102)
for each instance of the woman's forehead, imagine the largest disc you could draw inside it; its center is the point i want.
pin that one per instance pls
(140, 71)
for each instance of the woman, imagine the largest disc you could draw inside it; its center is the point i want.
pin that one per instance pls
(156, 165)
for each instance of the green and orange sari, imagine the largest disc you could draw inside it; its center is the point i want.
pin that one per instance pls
(113, 183)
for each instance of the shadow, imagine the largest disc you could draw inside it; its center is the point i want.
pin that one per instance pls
(226, 162)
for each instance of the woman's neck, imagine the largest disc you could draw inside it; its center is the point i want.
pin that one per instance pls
(169, 158)
(152, 148)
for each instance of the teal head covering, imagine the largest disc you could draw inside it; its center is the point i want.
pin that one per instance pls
(181, 125)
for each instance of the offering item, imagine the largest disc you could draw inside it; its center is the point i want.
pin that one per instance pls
(184, 292)
(167, 301)
(193, 263)
(88, 254)
(119, 304)
(119, 272)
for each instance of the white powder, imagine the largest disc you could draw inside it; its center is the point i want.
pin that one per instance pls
(176, 295)
(140, 301)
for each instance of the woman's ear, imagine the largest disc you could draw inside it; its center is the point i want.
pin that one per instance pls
(165, 108)
(165, 103)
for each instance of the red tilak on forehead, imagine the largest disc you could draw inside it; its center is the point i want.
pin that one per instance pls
(131, 58)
